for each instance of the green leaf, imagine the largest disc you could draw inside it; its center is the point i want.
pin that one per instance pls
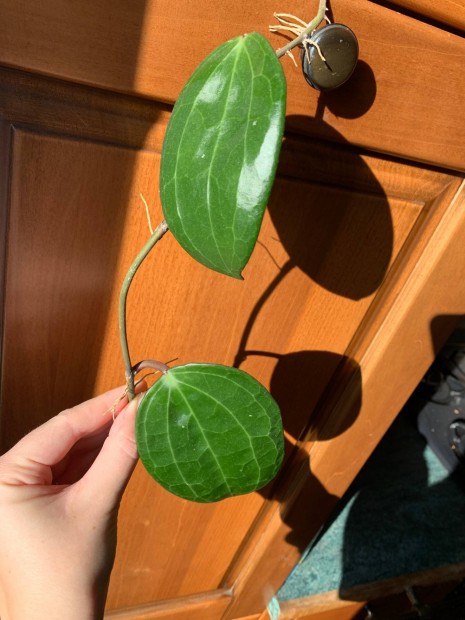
(206, 432)
(221, 150)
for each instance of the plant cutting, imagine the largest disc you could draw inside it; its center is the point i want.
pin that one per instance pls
(207, 431)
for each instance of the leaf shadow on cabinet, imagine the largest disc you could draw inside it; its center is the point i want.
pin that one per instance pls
(296, 379)
(333, 220)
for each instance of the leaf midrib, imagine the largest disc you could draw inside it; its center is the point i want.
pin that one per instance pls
(193, 105)
(207, 442)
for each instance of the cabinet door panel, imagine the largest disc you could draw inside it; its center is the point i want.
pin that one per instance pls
(335, 311)
(339, 233)
(66, 214)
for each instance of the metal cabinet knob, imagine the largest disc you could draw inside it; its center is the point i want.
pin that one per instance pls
(339, 47)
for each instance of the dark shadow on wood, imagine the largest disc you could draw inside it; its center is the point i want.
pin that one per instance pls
(62, 252)
(296, 379)
(335, 225)
(334, 222)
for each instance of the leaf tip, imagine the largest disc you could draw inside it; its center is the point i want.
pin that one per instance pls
(233, 273)
(238, 276)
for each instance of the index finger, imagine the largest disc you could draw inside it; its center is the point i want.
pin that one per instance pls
(50, 442)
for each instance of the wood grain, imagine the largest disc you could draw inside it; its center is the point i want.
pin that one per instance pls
(448, 12)
(55, 269)
(307, 354)
(209, 606)
(312, 491)
(63, 275)
(5, 157)
(327, 606)
(79, 111)
(407, 69)
(75, 221)
(334, 315)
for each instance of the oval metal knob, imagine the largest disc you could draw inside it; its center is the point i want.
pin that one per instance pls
(339, 47)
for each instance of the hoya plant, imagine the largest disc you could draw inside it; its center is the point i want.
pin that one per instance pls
(207, 431)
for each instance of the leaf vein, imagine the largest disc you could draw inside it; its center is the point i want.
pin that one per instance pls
(169, 442)
(215, 148)
(175, 175)
(231, 413)
(206, 440)
(252, 80)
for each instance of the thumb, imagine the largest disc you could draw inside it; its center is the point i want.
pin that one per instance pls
(103, 484)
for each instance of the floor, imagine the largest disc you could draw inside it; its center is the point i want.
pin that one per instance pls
(403, 514)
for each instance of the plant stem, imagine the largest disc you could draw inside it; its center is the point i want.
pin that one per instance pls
(157, 235)
(316, 21)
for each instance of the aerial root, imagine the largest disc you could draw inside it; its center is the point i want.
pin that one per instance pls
(147, 213)
(296, 26)
(112, 409)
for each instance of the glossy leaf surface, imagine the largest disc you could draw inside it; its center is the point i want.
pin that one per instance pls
(206, 432)
(221, 150)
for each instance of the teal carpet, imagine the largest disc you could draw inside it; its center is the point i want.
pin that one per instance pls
(403, 514)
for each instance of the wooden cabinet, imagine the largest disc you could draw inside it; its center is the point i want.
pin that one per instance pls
(356, 281)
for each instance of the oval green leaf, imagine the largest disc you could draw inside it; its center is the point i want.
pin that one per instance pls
(206, 432)
(220, 152)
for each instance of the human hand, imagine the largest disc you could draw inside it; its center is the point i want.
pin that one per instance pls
(60, 489)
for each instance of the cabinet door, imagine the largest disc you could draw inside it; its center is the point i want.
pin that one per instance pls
(355, 281)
